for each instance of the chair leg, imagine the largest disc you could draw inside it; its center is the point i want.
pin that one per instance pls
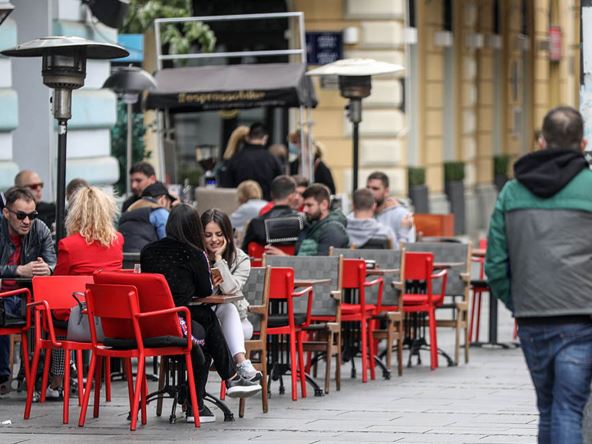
(301, 337)
(31, 382)
(44, 379)
(515, 333)
(87, 390)
(25, 357)
(192, 394)
(371, 348)
(222, 390)
(466, 335)
(364, 341)
(473, 309)
(98, 376)
(79, 371)
(162, 376)
(137, 393)
(108, 379)
(478, 317)
(144, 395)
(433, 339)
(328, 359)
(66, 386)
(457, 336)
(293, 365)
(400, 336)
(390, 333)
(265, 388)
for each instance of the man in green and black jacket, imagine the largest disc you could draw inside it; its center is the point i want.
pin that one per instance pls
(538, 262)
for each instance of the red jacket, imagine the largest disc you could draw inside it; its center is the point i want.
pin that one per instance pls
(76, 257)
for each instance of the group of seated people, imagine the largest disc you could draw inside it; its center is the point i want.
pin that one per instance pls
(184, 247)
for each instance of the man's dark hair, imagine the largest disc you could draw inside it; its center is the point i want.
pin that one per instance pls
(281, 187)
(318, 192)
(301, 181)
(15, 193)
(563, 127)
(257, 131)
(74, 185)
(184, 225)
(379, 175)
(142, 167)
(363, 199)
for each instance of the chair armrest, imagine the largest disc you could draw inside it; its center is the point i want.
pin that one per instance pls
(439, 274)
(44, 306)
(398, 285)
(302, 292)
(466, 277)
(372, 283)
(257, 309)
(462, 305)
(336, 295)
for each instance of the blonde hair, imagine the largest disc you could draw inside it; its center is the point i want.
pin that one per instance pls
(92, 215)
(238, 136)
(247, 190)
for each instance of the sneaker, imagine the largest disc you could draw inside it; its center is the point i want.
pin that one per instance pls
(239, 387)
(52, 393)
(205, 415)
(248, 372)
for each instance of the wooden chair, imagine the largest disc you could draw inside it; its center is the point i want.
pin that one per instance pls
(323, 334)
(256, 291)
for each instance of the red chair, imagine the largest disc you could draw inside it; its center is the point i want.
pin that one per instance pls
(55, 293)
(420, 267)
(256, 252)
(18, 327)
(129, 334)
(478, 290)
(354, 278)
(289, 323)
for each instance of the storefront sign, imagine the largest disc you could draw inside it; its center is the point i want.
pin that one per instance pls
(324, 47)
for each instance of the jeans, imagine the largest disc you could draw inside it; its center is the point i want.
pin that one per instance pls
(559, 358)
(12, 305)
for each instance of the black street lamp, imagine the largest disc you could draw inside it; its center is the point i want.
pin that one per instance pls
(128, 83)
(64, 69)
(355, 84)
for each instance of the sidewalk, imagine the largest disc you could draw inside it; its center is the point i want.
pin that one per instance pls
(490, 400)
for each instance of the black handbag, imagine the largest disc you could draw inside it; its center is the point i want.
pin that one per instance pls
(283, 229)
(13, 319)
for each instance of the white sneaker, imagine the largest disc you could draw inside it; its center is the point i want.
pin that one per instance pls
(247, 371)
(52, 393)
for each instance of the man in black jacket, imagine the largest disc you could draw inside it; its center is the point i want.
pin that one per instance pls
(26, 250)
(254, 161)
(283, 189)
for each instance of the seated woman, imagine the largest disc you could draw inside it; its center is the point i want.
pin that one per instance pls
(249, 195)
(92, 243)
(181, 258)
(234, 267)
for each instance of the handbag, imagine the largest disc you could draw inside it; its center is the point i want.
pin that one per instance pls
(8, 318)
(283, 229)
(78, 326)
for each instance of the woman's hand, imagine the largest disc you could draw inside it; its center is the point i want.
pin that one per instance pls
(217, 280)
(218, 252)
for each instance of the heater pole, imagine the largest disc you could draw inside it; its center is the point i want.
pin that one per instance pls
(61, 180)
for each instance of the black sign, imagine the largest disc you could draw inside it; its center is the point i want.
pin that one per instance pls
(324, 47)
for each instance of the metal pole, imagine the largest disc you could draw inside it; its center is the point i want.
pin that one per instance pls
(586, 69)
(356, 141)
(128, 153)
(61, 189)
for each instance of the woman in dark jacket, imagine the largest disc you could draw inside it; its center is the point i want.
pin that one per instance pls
(180, 257)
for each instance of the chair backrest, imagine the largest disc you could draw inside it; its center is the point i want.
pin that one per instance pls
(58, 290)
(383, 259)
(354, 273)
(153, 294)
(256, 292)
(314, 267)
(449, 252)
(376, 244)
(418, 266)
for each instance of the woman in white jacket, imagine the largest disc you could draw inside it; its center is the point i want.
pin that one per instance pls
(234, 267)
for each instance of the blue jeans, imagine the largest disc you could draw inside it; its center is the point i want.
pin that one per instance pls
(12, 305)
(559, 358)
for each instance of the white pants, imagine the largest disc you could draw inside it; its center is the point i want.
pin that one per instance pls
(235, 331)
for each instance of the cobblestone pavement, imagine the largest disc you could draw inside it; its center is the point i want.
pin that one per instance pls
(490, 400)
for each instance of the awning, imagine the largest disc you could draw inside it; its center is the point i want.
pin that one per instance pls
(217, 87)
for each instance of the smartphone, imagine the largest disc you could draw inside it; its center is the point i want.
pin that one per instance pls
(216, 273)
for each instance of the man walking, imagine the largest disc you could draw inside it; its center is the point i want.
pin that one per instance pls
(538, 263)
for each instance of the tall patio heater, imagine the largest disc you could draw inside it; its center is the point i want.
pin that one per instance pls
(63, 70)
(355, 84)
(128, 83)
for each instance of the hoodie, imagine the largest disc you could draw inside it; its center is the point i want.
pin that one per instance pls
(391, 217)
(360, 231)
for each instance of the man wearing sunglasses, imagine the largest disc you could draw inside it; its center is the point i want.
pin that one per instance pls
(30, 180)
(26, 250)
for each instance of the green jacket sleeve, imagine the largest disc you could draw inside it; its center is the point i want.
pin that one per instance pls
(497, 265)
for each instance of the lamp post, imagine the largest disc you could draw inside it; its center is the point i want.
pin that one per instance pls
(5, 10)
(355, 84)
(64, 69)
(129, 82)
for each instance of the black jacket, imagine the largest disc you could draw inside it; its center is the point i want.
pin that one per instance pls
(128, 202)
(185, 268)
(37, 243)
(47, 213)
(256, 163)
(256, 228)
(136, 229)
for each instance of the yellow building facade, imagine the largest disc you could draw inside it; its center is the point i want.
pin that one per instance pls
(479, 77)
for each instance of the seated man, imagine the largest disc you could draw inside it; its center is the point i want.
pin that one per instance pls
(145, 220)
(325, 228)
(361, 225)
(390, 211)
(26, 250)
(31, 180)
(282, 193)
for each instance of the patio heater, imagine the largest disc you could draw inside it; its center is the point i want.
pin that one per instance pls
(128, 83)
(5, 10)
(63, 70)
(355, 84)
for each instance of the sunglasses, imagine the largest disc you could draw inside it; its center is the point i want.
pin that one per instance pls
(35, 186)
(21, 215)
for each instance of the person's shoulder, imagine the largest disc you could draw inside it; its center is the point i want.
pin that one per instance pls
(40, 228)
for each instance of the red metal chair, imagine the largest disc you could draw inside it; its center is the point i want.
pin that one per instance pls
(419, 267)
(256, 252)
(55, 293)
(289, 323)
(354, 278)
(18, 327)
(129, 334)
